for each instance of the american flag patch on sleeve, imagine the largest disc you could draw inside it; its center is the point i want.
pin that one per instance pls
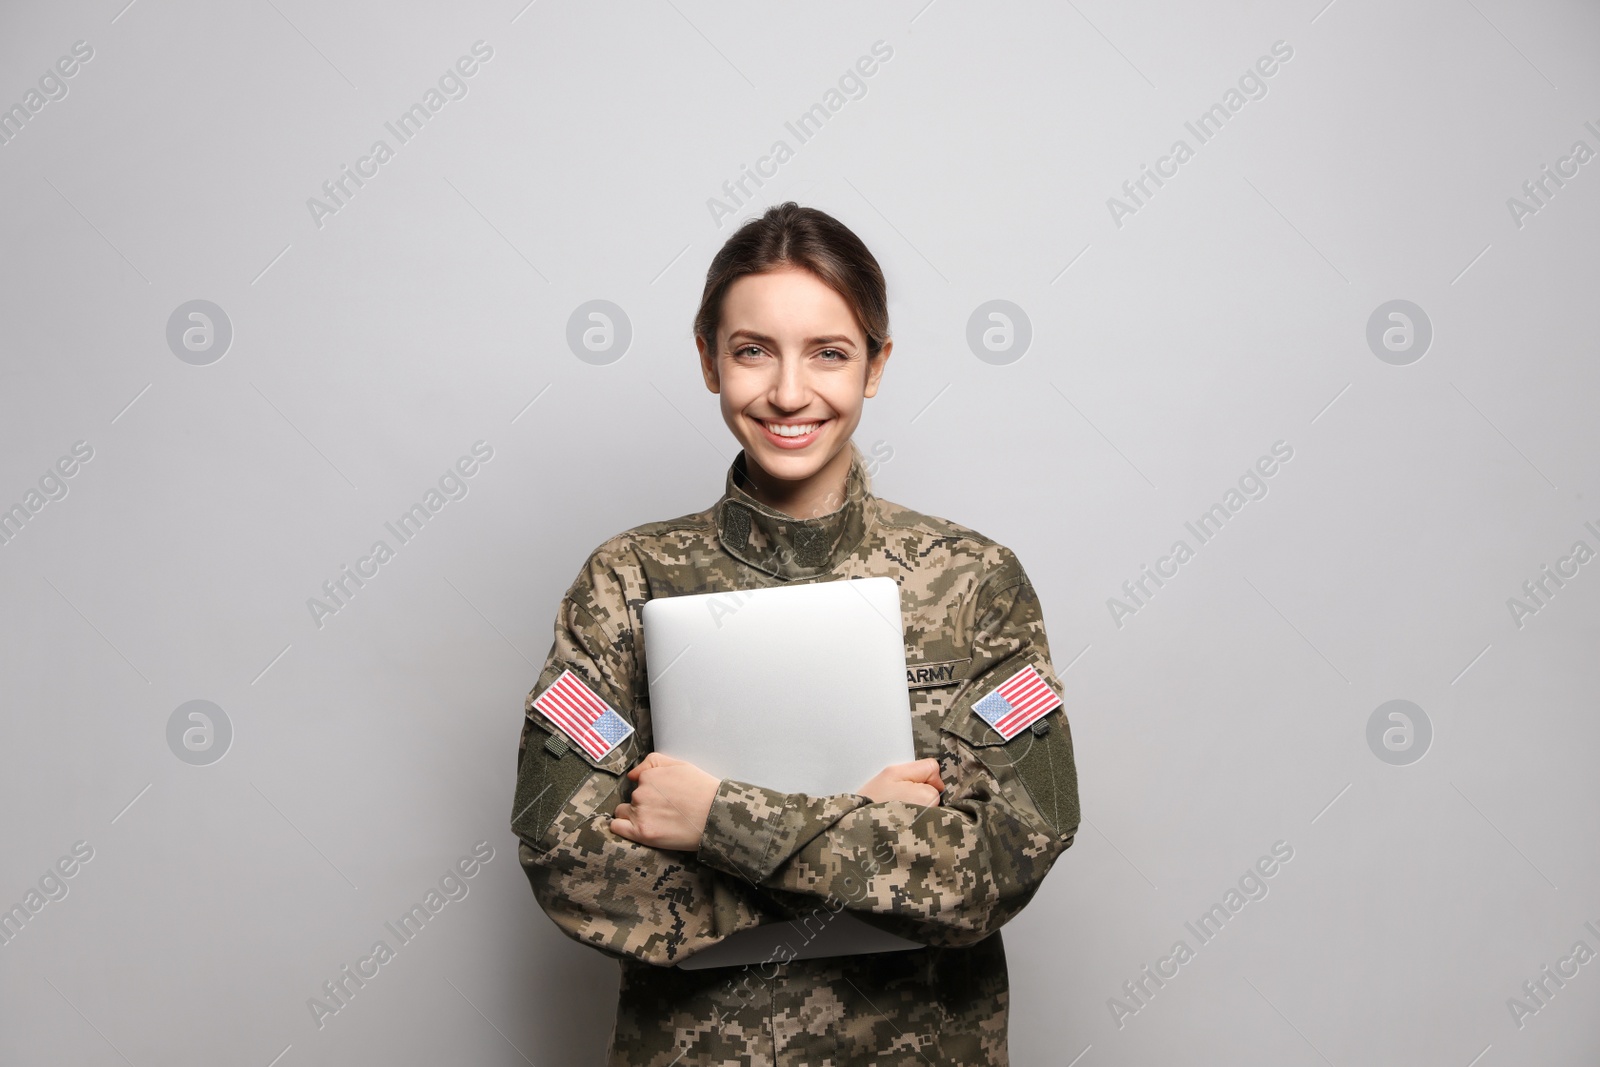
(1017, 702)
(582, 715)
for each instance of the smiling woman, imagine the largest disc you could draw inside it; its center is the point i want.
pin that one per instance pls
(650, 859)
(792, 396)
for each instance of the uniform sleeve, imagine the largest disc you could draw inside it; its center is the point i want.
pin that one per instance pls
(603, 890)
(950, 874)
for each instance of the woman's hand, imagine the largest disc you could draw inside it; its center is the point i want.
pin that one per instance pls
(671, 800)
(917, 781)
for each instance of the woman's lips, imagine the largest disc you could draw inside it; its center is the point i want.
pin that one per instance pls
(801, 441)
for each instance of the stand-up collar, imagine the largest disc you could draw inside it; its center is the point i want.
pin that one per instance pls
(782, 545)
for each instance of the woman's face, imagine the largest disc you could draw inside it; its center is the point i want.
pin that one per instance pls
(792, 370)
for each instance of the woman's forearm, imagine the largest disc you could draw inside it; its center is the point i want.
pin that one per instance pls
(949, 874)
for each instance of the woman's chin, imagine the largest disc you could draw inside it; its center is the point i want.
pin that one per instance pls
(789, 464)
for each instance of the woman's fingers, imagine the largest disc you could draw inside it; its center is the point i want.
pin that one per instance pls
(622, 823)
(916, 793)
(654, 759)
(926, 769)
(917, 781)
(921, 770)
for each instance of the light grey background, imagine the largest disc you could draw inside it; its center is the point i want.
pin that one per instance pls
(1168, 353)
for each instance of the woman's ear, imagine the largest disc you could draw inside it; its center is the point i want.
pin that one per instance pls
(708, 365)
(875, 368)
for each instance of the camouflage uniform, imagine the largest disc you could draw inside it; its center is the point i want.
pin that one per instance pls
(947, 876)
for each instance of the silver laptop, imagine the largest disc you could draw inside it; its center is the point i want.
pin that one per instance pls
(798, 688)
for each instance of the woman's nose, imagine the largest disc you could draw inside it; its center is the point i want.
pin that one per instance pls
(790, 391)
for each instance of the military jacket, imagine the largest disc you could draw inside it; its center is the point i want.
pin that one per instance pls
(948, 875)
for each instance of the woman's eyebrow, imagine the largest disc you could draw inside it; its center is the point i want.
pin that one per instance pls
(832, 339)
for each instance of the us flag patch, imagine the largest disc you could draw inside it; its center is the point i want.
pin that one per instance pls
(1017, 702)
(582, 715)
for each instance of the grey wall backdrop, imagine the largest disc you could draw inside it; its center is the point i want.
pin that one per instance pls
(1139, 257)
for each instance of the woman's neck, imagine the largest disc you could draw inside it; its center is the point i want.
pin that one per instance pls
(821, 494)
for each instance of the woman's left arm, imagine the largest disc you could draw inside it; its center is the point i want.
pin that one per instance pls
(949, 874)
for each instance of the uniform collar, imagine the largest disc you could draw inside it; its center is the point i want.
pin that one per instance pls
(784, 546)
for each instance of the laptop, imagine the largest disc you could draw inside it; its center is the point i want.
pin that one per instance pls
(798, 688)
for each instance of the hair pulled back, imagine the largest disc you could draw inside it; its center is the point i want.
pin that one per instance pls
(789, 235)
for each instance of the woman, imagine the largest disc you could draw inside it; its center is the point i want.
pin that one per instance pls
(650, 859)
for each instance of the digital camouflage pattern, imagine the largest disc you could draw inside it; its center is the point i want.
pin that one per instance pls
(948, 876)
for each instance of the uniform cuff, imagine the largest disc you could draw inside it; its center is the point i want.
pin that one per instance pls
(751, 831)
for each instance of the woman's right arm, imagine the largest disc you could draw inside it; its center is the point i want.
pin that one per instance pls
(602, 890)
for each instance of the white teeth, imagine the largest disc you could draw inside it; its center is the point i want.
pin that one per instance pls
(799, 429)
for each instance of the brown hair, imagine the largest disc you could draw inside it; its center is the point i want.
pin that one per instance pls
(789, 235)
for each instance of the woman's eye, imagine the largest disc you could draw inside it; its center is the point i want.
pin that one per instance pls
(829, 355)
